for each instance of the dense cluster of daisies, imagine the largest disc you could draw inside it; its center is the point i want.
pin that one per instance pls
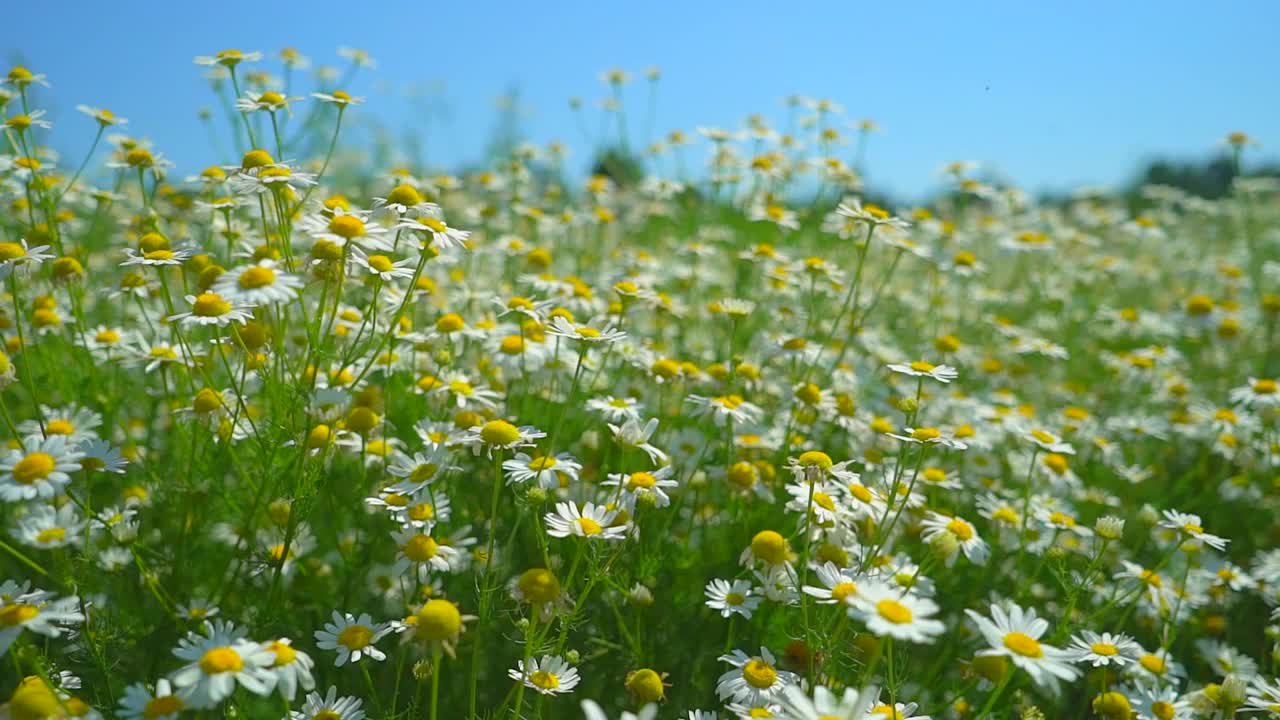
(289, 443)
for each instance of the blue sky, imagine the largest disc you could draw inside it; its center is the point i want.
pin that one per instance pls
(1051, 94)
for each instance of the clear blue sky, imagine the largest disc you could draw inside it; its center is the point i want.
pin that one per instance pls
(1052, 94)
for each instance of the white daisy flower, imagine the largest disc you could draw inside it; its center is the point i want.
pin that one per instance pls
(838, 586)
(1103, 649)
(260, 284)
(852, 704)
(732, 598)
(218, 661)
(37, 611)
(210, 308)
(552, 675)
(329, 707)
(1016, 635)
(644, 484)
(352, 637)
(889, 611)
(44, 527)
(139, 703)
(1189, 525)
(753, 680)
(551, 472)
(39, 471)
(592, 521)
(921, 368)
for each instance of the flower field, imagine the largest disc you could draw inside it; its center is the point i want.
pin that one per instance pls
(710, 432)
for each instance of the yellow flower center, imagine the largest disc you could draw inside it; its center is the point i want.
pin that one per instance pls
(285, 654)
(14, 615)
(59, 427)
(544, 680)
(425, 471)
(546, 462)
(922, 366)
(1163, 710)
(256, 277)
(162, 706)
(735, 598)
(1043, 436)
(1056, 462)
(355, 637)
(815, 458)
(381, 263)
(1023, 645)
(759, 673)
(422, 512)
(1264, 387)
(438, 620)
(499, 432)
(843, 591)
(347, 226)
(589, 526)
(221, 660)
(894, 611)
(159, 255)
(1006, 515)
(36, 466)
(44, 537)
(210, 305)
(421, 548)
(961, 529)
(1105, 649)
(927, 433)
(770, 547)
(539, 586)
(435, 225)
(641, 480)
(11, 251)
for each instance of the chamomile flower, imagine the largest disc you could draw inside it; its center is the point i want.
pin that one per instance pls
(261, 284)
(591, 521)
(430, 225)
(140, 703)
(641, 485)
(1103, 649)
(424, 550)
(40, 470)
(585, 333)
(1189, 525)
(732, 598)
(500, 435)
(633, 434)
(1259, 393)
(852, 704)
(724, 408)
(219, 660)
(548, 471)
(1016, 634)
(352, 637)
(549, 675)
(921, 368)
(38, 612)
(754, 679)
(292, 668)
(211, 309)
(975, 549)
(329, 707)
(892, 612)
(382, 267)
(838, 586)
